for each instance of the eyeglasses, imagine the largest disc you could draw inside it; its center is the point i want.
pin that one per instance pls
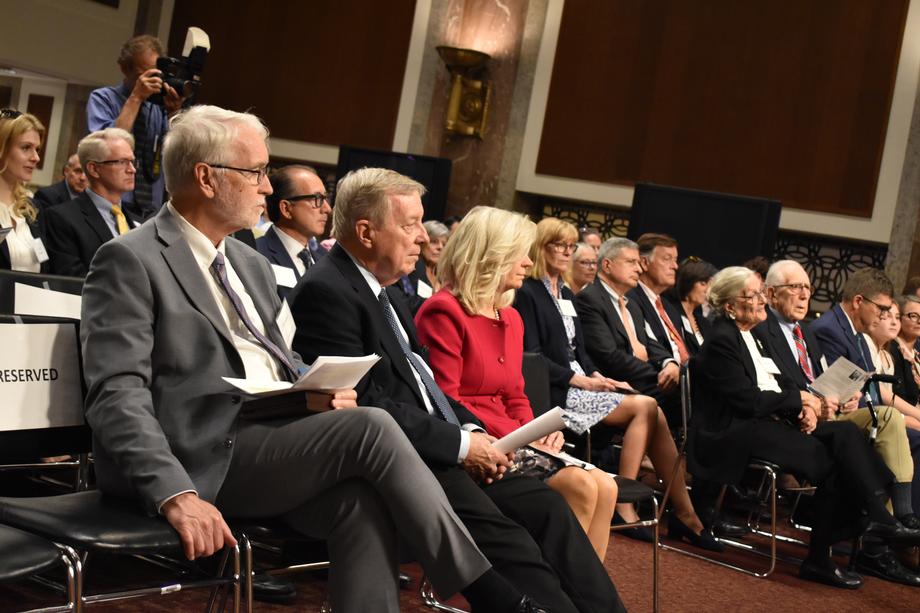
(914, 317)
(883, 311)
(798, 288)
(758, 295)
(316, 200)
(587, 263)
(9, 114)
(124, 163)
(562, 247)
(260, 173)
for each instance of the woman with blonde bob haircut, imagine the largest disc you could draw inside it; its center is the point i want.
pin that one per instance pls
(21, 136)
(552, 329)
(475, 342)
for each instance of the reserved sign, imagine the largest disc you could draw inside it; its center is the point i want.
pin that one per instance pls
(39, 376)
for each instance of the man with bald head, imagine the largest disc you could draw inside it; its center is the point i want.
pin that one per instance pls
(798, 355)
(69, 188)
(298, 208)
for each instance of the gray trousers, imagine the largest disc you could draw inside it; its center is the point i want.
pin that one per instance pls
(351, 477)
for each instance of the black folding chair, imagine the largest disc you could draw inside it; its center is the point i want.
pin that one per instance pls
(27, 555)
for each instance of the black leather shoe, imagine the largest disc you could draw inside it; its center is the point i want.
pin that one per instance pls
(910, 521)
(894, 532)
(886, 566)
(678, 531)
(828, 573)
(725, 528)
(527, 605)
(267, 588)
(638, 533)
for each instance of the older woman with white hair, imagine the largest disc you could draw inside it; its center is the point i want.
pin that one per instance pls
(425, 279)
(475, 341)
(753, 412)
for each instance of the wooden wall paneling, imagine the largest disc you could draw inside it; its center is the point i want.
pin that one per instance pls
(787, 100)
(42, 106)
(323, 71)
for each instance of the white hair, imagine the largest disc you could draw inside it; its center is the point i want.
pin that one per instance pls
(776, 275)
(94, 147)
(202, 134)
(727, 284)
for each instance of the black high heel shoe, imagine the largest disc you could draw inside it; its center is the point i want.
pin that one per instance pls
(678, 531)
(638, 533)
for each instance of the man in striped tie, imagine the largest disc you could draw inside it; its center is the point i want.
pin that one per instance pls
(800, 355)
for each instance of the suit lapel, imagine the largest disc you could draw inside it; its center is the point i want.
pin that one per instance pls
(182, 263)
(379, 323)
(813, 347)
(248, 271)
(844, 324)
(279, 253)
(650, 315)
(609, 310)
(94, 219)
(779, 349)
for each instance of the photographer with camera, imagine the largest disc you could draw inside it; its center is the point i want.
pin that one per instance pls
(135, 106)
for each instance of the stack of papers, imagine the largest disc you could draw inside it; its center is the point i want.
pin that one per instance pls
(327, 374)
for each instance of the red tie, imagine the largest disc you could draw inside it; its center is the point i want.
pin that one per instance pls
(672, 331)
(802, 351)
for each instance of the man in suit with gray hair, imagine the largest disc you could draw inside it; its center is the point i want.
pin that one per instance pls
(170, 309)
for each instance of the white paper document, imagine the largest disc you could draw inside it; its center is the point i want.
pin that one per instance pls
(549, 422)
(328, 373)
(48, 303)
(840, 381)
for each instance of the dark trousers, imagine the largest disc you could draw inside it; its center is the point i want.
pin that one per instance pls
(913, 437)
(531, 537)
(838, 459)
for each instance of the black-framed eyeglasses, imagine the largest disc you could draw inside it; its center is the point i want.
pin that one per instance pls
(9, 114)
(315, 200)
(260, 173)
(124, 162)
(562, 247)
(883, 311)
(587, 263)
(798, 288)
(914, 317)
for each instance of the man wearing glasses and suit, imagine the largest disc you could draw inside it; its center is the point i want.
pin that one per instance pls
(298, 208)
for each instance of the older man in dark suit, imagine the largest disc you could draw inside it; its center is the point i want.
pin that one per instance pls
(298, 208)
(77, 230)
(171, 309)
(377, 222)
(69, 188)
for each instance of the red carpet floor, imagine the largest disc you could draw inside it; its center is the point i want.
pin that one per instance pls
(686, 585)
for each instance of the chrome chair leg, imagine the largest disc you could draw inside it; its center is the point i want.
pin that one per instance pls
(430, 599)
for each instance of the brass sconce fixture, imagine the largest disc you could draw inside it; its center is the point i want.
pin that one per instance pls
(469, 91)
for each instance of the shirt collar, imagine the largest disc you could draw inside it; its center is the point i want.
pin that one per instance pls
(849, 321)
(652, 296)
(612, 292)
(291, 244)
(101, 203)
(782, 321)
(201, 246)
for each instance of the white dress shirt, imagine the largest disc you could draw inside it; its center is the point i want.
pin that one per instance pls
(765, 381)
(375, 287)
(653, 298)
(293, 248)
(787, 327)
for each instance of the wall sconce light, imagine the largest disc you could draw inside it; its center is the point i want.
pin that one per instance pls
(469, 91)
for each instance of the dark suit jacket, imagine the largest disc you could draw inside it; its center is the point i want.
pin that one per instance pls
(337, 314)
(75, 231)
(51, 195)
(771, 335)
(836, 337)
(270, 246)
(544, 333)
(728, 404)
(906, 387)
(608, 344)
(155, 347)
(651, 317)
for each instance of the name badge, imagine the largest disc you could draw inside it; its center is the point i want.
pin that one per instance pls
(769, 365)
(284, 276)
(423, 290)
(41, 254)
(823, 363)
(567, 308)
(285, 323)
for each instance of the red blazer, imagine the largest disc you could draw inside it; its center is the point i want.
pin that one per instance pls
(477, 360)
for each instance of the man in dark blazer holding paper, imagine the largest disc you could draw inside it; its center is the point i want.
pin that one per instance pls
(377, 222)
(172, 308)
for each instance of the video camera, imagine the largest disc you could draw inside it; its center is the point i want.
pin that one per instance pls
(184, 74)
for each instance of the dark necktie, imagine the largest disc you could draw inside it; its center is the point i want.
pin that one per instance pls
(868, 366)
(437, 396)
(802, 352)
(220, 269)
(307, 258)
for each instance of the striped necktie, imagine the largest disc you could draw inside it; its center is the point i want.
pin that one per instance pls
(802, 351)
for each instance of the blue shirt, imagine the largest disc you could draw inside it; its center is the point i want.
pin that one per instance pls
(105, 209)
(102, 109)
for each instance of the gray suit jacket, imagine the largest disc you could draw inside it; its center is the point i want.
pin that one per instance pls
(154, 349)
